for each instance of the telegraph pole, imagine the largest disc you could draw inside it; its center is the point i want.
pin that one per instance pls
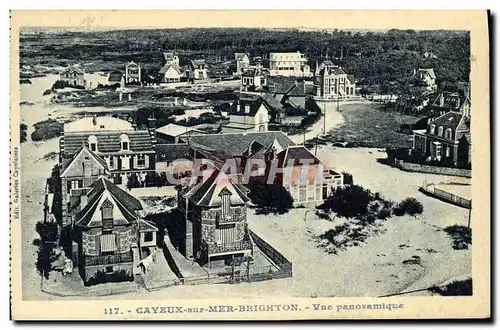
(316, 145)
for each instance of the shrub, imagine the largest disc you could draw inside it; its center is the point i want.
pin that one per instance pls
(22, 132)
(46, 130)
(456, 288)
(270, 198)
(349, 201)
(461, 236)
(411, 206)
(398, 210)
(60, 84)
(121, 275)
(348, 178)
(384, 213)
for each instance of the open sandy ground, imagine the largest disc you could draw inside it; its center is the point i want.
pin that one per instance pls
(373, 268)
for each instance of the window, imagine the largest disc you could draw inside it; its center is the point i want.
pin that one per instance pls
(225, 196)
(440, 131)
(107, 215)
(76, 184)
(448, 152)
(438, 150)
(148, 237)
(141, 160)
(112, 162)
(448, 134)
(433, 129)
(124, 141)
(93, 142)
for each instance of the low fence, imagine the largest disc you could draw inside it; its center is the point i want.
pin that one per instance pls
(445, 196)
(412, 167)
(280, 261)
(103, 290)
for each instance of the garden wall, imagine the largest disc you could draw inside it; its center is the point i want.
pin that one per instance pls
(411, 167)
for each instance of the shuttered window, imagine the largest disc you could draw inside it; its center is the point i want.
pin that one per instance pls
(225, 234)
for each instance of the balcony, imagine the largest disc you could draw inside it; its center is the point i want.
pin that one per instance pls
(230, 218)
(212, 248)
(117, 258)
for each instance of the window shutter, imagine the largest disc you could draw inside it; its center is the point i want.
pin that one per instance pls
(134, 161)
(146, 161)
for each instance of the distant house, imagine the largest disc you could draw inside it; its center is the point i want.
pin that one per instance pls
(242, 62)
(288, 91)
(446, 139)
(173, 159)
(332, 82)
(289, 64)
(248, 113)
(171, 133)
(170, 73)
(428, 78)
(198, 69)
(132, 73)
(253, 80)
(451, 101)
(430, 55)
(127, 151)
(106, 231)
(73, 76)
(116, 77)
(171, 58)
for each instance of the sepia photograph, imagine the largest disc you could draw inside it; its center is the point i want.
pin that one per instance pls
(253, 163)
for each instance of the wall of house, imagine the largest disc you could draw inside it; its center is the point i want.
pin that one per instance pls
(177, 168)
(171, 75)
(78, 80)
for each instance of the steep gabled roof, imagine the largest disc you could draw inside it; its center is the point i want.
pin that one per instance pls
(73, 69)
(206, 193)
(197, 63)
(167, 66)
(171, 152)
(235, 144)
(115, 76)
(84, 151)
(125, 205)
(296, 154)
(430, 72)
(253, 102)
(240, 56)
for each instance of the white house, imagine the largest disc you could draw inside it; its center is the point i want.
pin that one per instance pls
(247, 114)
(289, 64)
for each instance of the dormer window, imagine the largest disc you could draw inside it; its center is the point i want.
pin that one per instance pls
(225, 196)
(124, 142)
(440, 131)
(448, 134)
(107, 215)
(92, 143)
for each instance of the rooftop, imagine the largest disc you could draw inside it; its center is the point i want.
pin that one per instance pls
(98, 124)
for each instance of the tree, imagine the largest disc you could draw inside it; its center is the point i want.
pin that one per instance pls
(349, 201)
(270, 198)
(411, 206)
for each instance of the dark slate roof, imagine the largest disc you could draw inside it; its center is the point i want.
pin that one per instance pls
(450, 100)
(429, 71)
(146, 226)
(254, 101)
(332, 70)
(167, 66)
(280, 85)
(108, 141)
(235, 144)
(115, 76)
(240, 56)
(171, 152)
(169, 56)
(127, 203)
(448, 120)
(252, 72)
(201, 193)
(197, 63)
(296, 153)
(351, 78)
(73, 69)
(272, 103)
(296, 90)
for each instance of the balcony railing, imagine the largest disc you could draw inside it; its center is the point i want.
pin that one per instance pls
(232, 217)
(117, 258)
(213, 248)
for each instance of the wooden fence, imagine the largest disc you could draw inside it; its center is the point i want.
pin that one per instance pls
(445, 196)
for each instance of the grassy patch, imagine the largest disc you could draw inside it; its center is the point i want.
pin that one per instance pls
(461, 236)
(456, 288)
(46, 130)
(366, 126)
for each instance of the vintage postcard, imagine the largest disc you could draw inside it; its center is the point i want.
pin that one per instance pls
(249, 165)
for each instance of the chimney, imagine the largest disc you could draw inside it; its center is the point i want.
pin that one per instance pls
(441, 99)
(152, 123)
(83, 200)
